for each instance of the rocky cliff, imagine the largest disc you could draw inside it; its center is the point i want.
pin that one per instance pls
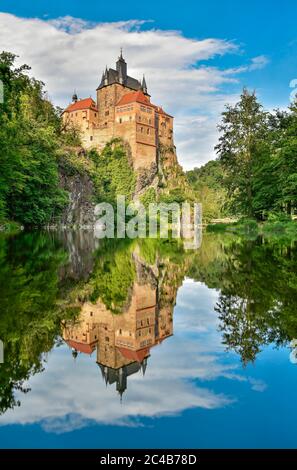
(90, 178)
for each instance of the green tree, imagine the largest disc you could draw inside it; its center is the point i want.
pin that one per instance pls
(207, 182)
(241, 149)
(30, 135)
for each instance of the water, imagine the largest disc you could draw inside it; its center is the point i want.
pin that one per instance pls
(115, 344)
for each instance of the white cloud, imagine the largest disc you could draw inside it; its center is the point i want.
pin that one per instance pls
(68, 53)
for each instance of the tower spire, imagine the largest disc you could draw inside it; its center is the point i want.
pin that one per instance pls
(143, 85)
(74, 97)
(121, 67)
(106, 76)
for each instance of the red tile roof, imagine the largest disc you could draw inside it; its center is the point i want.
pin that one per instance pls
(137, 356)
(81, 347)
(134, 96)
(86, 103)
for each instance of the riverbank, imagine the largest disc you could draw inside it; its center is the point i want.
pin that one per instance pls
(277, 227)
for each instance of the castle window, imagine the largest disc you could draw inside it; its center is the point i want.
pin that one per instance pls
(106, 338)
(120, 120)
(95, 114)
(91, 137)
(106, 113)
(150, 121)
(141, 129)
(148, 131)
(130, 118)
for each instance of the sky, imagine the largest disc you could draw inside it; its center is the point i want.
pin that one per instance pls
(197, 56)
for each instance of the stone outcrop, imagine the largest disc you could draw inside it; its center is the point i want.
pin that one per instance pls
(80, 210)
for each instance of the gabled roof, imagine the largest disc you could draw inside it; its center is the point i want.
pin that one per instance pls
(86, 103)
(82, 347)
(136, 356)
(134, 96)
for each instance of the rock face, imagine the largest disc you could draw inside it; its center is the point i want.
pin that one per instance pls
(80, 210)
(145, 177)
(76, 170)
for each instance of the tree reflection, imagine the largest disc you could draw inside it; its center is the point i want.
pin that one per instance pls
(257, 280)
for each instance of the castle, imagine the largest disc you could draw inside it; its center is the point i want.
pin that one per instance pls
(123, 110)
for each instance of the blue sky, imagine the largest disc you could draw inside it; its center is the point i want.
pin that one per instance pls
(256, 46)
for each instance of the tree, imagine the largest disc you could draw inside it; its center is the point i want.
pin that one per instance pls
(30, 139)
(207, 182)
(286, 155)
(241, 148)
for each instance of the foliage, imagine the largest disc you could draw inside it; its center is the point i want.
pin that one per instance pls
(258, 153)
(251, 312)
(30, 135)
(113, 274)
(241, 149)
(35, 145)
(31, 307)
(148, 197)
(113, 173)
(207, 182)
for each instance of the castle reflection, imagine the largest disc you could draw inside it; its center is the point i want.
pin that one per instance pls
(123, 341)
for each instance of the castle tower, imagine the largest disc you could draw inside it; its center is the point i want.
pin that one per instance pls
(121, 66)
(123, 110)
